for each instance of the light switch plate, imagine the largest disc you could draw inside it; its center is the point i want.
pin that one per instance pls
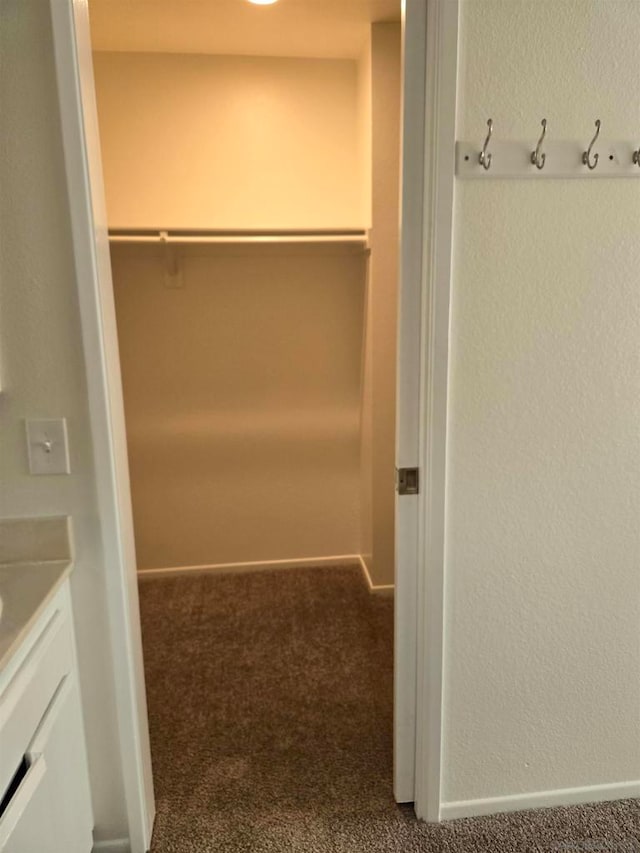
(47, 446)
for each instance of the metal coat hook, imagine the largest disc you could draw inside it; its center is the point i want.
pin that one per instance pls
(484, 158)
(586, 156)
(636, 157)
(537, 157)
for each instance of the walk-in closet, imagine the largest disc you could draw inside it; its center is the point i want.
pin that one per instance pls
(251, 157)
(252, 197)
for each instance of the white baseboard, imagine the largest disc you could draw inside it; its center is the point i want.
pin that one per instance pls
(540, 800)
(374, 589)
(263, 565)
(257, 566)
(118, 845)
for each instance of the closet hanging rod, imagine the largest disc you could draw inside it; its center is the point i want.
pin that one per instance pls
(184, 236)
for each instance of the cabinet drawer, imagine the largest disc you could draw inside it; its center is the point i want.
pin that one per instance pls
(24, 701)
(24, 813)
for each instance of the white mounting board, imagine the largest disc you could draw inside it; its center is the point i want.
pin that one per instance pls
(564, 160)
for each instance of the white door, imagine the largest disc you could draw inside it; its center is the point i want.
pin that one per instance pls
(408, 396)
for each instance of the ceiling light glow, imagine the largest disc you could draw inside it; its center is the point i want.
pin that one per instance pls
(262, 2)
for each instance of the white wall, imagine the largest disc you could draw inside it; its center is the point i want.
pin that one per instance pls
(543, 541)
(42, 367)
(242, 399)
(229, 141)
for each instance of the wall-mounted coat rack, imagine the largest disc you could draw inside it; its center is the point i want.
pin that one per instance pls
(546, 157)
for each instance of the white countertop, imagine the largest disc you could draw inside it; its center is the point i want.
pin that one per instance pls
(25, 590)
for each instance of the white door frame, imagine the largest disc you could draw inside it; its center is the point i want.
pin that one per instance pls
(429, 112)
(441, 105)
(408, 411)
(430, 83)
(79, 121)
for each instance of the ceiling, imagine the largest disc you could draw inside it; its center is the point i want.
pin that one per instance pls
(311, 28)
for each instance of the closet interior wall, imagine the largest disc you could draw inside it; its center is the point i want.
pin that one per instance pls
(250, 390)
(383, 65)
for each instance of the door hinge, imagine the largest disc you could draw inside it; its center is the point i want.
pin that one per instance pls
(408, 481)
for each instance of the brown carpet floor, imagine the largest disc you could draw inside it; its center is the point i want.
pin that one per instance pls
(270, 706)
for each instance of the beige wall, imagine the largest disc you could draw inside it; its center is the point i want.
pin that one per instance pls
(366, 388)
(543, 542)
(364, 106)
(42, 365)
(322, 133)
(378, 414)
(242, 395)
(229, 141)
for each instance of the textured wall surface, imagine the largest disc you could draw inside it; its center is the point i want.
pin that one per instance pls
(42, 366)
(229, 141)
(242, 398)
(543, 580)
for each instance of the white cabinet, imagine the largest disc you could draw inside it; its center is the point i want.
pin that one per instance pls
(46, 806)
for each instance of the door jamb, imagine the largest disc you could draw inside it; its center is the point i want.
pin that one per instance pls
(81, 145)
(408, 508)
(443, 20)
(86, 194)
